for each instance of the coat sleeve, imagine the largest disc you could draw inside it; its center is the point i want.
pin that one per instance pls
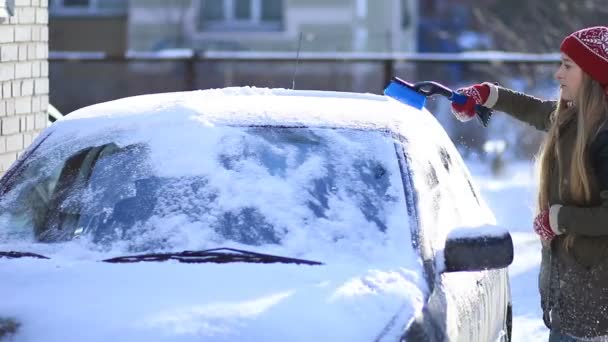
(526, 108)
(590, 221)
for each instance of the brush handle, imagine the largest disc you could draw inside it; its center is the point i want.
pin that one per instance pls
(458, 98)
(430, 88)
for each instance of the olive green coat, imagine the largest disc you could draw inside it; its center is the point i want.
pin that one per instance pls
(573, 284)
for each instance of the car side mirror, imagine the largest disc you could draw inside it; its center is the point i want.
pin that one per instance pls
(477, 249)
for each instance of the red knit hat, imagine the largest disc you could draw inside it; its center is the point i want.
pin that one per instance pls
(588, 48)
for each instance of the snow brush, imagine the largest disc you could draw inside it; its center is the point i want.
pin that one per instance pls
(415, 95)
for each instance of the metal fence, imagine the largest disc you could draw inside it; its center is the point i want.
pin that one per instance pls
(81, 79)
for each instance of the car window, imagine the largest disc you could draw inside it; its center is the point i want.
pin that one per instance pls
(446, 196)
(458, 183)
(254, 186)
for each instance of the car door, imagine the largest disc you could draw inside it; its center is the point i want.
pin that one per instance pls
(477, 302)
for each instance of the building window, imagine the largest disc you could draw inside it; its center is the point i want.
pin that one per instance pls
(76, 3)
(235, 15)
(87, 7)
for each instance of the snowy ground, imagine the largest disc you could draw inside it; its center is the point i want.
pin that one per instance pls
(512, 198)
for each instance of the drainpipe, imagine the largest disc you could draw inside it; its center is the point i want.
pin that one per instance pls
(361, 32)
(360, 44)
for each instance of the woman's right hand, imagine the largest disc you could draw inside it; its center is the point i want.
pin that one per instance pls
(476, 94)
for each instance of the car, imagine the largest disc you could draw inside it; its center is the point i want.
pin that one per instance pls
(250, 214)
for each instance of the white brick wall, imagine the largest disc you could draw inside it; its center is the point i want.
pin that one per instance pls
(24, 83)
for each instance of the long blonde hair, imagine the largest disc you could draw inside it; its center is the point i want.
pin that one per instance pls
(589, 110)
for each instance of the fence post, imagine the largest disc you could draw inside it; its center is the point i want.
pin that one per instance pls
(388, 70)
(190, 70)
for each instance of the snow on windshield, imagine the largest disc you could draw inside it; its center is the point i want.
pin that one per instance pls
(315, 193)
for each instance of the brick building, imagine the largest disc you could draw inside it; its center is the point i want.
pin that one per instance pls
(24, 73)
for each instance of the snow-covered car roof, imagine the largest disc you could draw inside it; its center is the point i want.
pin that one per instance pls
(259, 106)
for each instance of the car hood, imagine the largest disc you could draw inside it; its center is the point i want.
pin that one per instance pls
(92, 301)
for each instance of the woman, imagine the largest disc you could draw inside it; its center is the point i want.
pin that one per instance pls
(572, 219)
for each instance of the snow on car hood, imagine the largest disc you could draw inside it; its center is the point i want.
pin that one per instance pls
(60, 300)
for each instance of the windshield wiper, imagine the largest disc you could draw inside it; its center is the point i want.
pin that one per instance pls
(216, 255)
(14, 255)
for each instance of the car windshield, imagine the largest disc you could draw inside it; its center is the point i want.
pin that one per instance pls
(293, 191)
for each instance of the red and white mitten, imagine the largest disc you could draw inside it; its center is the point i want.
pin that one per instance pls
(545, 223)
(477, 94)
(542, 226)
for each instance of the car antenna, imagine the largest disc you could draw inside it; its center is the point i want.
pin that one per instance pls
(295, 71)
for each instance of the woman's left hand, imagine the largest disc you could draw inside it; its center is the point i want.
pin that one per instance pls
(542, 227)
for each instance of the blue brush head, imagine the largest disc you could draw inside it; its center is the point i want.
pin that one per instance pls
(401, 92)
